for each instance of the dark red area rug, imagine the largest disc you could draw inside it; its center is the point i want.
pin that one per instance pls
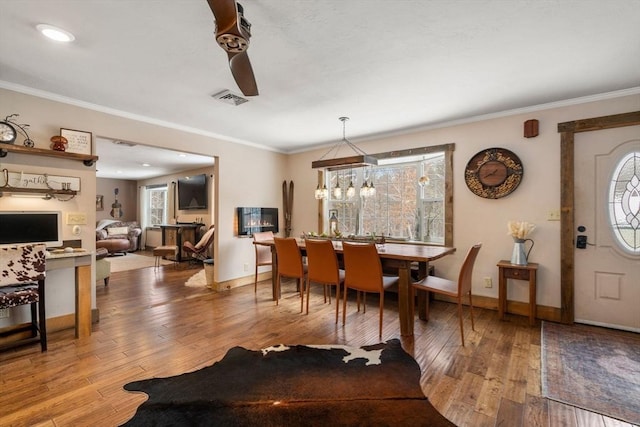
(377, 385)
(593, 368)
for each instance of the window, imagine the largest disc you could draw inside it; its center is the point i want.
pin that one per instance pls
(624, 203)
(411, 200)
(156, 205)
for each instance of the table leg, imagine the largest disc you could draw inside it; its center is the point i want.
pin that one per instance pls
(532, 297)
(405, 304)
(274, 271)
(502, 293)
(423, 296)
(83, 301)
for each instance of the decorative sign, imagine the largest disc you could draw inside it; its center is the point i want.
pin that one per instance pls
(39, 181)
(99, 202)
(78, 141)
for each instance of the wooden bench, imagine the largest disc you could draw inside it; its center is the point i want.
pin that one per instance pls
(168, 250)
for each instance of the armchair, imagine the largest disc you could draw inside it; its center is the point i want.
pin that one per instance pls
(199, 250)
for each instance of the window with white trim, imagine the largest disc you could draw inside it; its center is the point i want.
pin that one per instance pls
(157, 202)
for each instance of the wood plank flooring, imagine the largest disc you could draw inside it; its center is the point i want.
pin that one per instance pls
(153, 326)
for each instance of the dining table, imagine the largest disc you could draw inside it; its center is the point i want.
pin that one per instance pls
(396, 256)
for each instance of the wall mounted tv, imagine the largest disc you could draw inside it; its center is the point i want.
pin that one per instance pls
(192, 192)
(23, 227)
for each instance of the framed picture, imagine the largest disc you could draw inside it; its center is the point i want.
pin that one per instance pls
(79, 142)
(99, 202)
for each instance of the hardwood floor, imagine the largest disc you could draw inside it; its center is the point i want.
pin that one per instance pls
(153, 326)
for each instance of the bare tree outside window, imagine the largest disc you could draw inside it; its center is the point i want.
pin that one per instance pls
(409, 203)
(157, 213)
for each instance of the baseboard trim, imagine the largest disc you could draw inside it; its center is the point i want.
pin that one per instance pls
(242, 281)
(543, 312)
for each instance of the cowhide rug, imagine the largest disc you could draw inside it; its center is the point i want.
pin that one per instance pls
(328, 385)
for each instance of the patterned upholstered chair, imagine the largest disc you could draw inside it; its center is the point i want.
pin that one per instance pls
(22, 275)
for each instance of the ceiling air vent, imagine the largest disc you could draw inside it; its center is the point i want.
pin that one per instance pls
(128, 144)
(229, 97)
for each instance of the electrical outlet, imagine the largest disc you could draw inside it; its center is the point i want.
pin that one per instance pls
(246, 266)
(488, 283)
(4, 313)
(553, 215)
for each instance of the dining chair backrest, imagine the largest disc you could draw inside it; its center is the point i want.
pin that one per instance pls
(263, 253)
(363, 269)
(466, 270)
(289, 257)
(322, 261)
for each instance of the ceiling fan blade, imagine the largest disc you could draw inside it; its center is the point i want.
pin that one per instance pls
(232, 34)
(226, 14)
(243, 73)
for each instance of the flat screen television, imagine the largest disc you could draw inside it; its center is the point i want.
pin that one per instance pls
(192, 192)
(23, 227)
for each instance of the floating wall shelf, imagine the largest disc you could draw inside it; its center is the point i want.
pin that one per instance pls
(86, 159)
(45, 192)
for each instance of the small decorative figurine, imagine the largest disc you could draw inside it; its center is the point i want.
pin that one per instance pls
(59, 143)
(8, 129)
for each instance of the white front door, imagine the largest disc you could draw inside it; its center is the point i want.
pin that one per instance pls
(607, 272)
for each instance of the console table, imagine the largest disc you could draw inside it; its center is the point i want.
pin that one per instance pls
(81, 263)
(176, 234)
(506, 270)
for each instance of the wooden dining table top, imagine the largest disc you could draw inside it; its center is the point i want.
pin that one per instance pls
(388, 250)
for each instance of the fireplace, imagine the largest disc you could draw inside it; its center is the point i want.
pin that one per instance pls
(254, 220)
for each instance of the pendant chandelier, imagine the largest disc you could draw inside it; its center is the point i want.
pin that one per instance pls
(359, 159)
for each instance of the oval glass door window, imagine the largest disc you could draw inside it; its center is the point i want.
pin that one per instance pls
(624, 203)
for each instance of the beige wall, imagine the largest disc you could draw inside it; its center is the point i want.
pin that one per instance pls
(153, 237)
(127, 197)
(483, 220)
(248, 176)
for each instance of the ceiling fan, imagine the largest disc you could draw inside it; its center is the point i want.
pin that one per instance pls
(232, 34)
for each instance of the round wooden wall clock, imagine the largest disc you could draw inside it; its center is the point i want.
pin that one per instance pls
(493, 173)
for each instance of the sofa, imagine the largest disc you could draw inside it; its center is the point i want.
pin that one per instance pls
(118, 236)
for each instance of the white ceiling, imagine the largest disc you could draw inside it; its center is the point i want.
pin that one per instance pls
(391, 66)
(125, 160)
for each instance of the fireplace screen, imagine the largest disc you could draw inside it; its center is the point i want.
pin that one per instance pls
(254, 220)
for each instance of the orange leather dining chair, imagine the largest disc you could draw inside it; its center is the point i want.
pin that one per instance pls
(363, 272)
(322, 264)
(289, 265)
(456, 289)
(263, 253)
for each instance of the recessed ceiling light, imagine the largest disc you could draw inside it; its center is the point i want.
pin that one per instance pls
(55, 33)
(146, 165)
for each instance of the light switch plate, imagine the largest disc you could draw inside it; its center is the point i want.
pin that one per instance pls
(76, 218)
(553, 215)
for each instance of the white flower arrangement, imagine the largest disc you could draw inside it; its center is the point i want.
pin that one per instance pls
(520, 229)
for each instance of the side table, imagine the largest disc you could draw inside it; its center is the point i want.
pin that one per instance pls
(506, 270)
